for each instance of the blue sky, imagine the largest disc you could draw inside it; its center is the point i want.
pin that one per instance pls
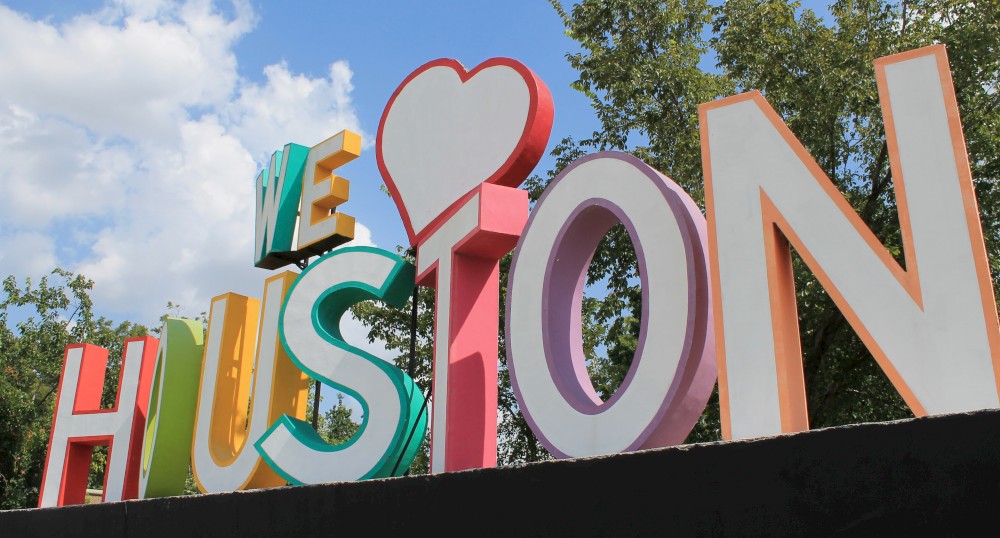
(131, 130)
(134, 129)
(384, 41)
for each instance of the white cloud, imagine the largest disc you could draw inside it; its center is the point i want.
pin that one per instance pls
(53, 169)
(185, 231)
(292, 108)
(362, 237)
(132, 75)
(131, 144)
(27, 253)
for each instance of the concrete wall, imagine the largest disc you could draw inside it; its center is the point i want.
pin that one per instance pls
(935, 476)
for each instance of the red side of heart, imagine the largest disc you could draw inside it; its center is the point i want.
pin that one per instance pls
(514, 170)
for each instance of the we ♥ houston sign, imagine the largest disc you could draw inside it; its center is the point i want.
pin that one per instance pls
(718, 302)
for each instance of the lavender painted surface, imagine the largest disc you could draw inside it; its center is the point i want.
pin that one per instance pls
(680, 398)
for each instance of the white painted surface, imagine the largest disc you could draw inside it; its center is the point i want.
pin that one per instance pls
(608, 429)
(117, 423)
(442, 138)
(437, 249)
(268, 199)
(352, 460)
(221, 476)
(309, 232)
(940, 351)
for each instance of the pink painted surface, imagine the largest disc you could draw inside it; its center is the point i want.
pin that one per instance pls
(471, 413)
(472, 362)
(471, 317)
(565, 278)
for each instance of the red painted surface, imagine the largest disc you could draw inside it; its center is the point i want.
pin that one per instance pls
(79, 449)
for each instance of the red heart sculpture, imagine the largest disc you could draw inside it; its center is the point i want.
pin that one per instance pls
(446, 130)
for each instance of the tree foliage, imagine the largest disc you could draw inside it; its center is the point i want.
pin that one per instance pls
(338, 424)
(36, 324)
(646, 65)
(639, 63)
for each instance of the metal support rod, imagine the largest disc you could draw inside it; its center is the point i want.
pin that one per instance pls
(316, 405)
(411, 367)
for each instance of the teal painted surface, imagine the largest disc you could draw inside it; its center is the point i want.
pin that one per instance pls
(326, 314)
(286, 171)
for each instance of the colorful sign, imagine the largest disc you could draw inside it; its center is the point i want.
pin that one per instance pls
(79, 423)
(247, 383)
(673, 371)
(166, 453)
(932, 327)
(310, 330)
(453, 146)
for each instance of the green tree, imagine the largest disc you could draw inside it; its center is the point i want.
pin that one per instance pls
(638, 63)
(642, 65)
(338, 424)
(36, 324)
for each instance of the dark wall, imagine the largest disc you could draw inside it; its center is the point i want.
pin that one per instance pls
(936, 476)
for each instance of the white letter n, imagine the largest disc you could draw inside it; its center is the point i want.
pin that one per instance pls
(932, 327)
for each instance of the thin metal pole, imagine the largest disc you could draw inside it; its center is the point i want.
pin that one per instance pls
(316, 405)
(302, 264)
(411, 367)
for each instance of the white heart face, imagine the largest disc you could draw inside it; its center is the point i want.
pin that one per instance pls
(446, 130)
